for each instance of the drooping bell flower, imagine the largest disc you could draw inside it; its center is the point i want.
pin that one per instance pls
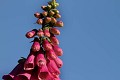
(43, 72)
(14, 72)
(51, 54)
(24, 75)
(46, 45)
(55, 31)
(45, 13)
(40, 33)
(58, 50)
(53, 20)
(54, 40)
(31, 33)
(39, 21)
(40, 59)
(37, 15)
(58, 62)
(59, 24)
(57, 16)
(29, 63)
(53, 69)
(36, 45)
(47, 19)
(46, 32)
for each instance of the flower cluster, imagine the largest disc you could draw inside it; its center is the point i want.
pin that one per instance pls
(43, 62)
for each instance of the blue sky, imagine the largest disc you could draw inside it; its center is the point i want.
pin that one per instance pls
(90, 37)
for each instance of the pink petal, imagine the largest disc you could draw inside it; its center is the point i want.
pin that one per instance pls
(43, 72)
(29, 63)
(40, 60)
(58, 62)
(53, 69)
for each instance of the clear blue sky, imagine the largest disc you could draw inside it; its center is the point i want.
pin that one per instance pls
(90, 37)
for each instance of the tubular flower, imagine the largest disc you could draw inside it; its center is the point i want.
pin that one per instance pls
(43, 62)
(40, 59)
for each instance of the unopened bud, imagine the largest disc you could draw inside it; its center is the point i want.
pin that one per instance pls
(47, 19)
(51, 13)
(44, 13)
(57, 16)
(37, 15)
(55, 31)
(39, 21)
(59, 24)
(46, 32)
(40, 33)
(53, 20)
(31, 34)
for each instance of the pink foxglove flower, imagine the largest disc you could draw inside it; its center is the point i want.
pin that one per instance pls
(46, 32)
(54, 40)
(40, 60)
(29, 63)
(58, 50)
(14, 72)
(43, 72)
(51, 54)
(55, 31)
(40, 33)
(53, 69)
(24, 75)
(58, 62)
(46, 45)
(36, 46)
(31, 34)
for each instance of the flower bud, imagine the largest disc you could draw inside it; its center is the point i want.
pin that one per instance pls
(36, 46)
(46, 45)
(31, 34)
(51, 13)
(37, 15)
(40, 33)
(39, 21)
(54, 40)
(59, 24)
(51, 54)
(56, 11)
(44, 7)
(58, 50)
(46, 32)
(55, 31)
(47, 19)
(57, 16)
(44, 13)
(53, 20)
(58, 62)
